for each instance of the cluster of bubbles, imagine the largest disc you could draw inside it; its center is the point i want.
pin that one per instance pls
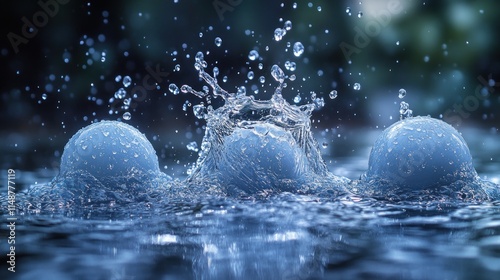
(122, 96)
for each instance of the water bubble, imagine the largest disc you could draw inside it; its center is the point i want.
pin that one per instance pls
(348, 10)
(177, 67)
(277, 73)
(288, 25)
(426, 58)
(199, 111)
(262, 79)
(360, 14)
(218, 41)
(241, 91)
(292, 77)
(421, 158)
(118, 78)
(44, 96)
(333, 94)
(120, 93)
(319, 103)
(404, 110)
(298, 49)
(253, 55)
(173, 89)
(279, 33)
(127, 81)
(294, 5)
(250, 75)
(127, 116)
(297, 98)
(319, 8)
(199, 57)
(397, 43)
(192, 146)
(106, 151)
(216, 71)
(357, 86)
(402, 93)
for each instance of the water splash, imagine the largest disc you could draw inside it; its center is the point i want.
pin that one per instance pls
(275, 119)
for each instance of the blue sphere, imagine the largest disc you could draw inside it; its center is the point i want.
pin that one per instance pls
(262, 157)
(420, 153)
(109, 149)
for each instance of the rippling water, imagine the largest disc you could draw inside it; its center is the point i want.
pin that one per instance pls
(281, 236)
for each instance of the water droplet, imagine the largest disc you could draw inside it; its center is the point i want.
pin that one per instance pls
(297, 98)
(357, 86)
(288, 25)
(333, 94)
(118, 78)
(348, 10)
(397, 43)
(277, 73)
(44, 96)
(253, 55)
(360, 14)
(319, 8)
(402, 93)
(218, 41)
(241, 91)
(250, 75)
(177, 67)
(199, 111)
(426, 58)
(127, 116)
(404, 110)
(120, 93)
(298, 49)
(173, 89)
(279, 33)
(127, 81)
(192, 146)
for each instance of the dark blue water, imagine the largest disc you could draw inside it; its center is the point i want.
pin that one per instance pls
(281, 236)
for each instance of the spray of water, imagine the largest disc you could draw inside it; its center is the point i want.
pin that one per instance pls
(276, 118)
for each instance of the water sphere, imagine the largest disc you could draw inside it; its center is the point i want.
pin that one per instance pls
(261, 157)
(109, 150)
(420, 153)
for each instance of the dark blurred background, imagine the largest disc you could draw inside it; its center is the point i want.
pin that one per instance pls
(60, 75)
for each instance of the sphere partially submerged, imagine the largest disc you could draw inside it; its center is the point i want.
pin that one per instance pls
(109, 150)
(420, 153)
(261, 157)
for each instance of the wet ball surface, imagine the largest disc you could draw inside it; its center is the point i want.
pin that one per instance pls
(420, 153)
(109, 149)
(261, 157)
